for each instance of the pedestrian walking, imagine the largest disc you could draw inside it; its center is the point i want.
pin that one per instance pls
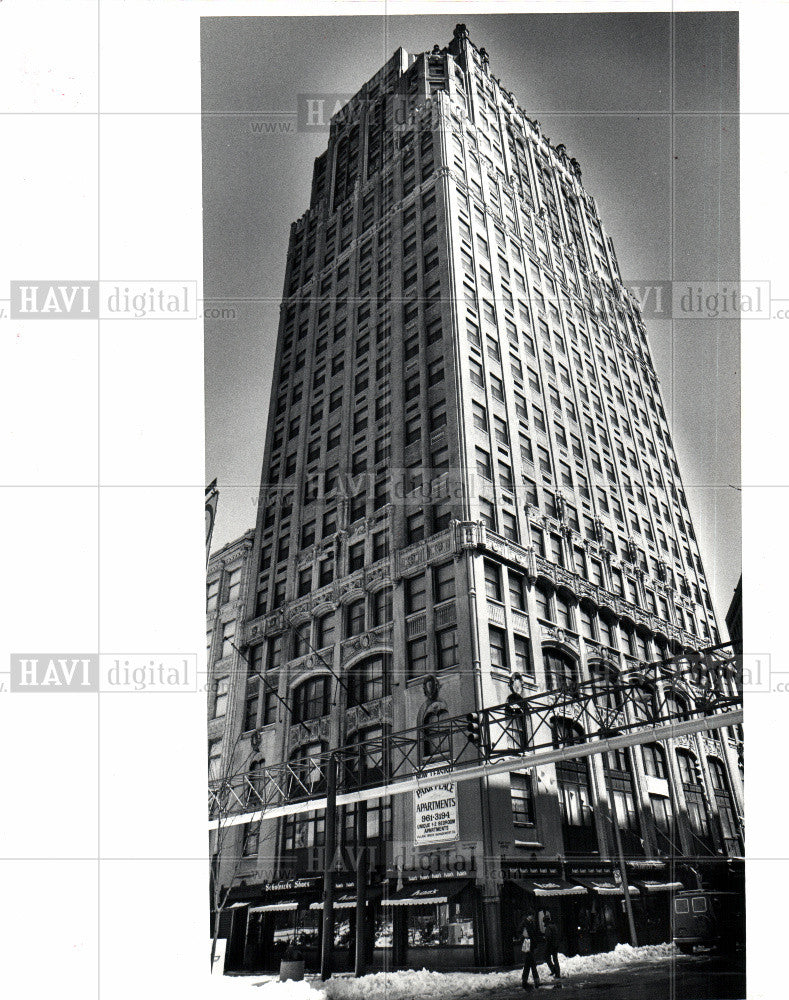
(528, 946)
(551, 946)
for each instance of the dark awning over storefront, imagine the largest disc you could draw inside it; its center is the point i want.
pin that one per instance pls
(288, 895)
(603, 886)
(548, 886)
(347, 900)
(280, 906)
(428, 894)
(649, 885)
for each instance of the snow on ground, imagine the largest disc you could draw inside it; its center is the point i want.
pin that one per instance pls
(410, 984)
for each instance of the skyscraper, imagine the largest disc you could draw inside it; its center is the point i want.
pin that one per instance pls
(469, 480)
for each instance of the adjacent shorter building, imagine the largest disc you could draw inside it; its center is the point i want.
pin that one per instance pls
(469, 479)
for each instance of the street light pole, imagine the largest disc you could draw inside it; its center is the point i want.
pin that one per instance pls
(618, 840)
(327, 937)
(361, 887)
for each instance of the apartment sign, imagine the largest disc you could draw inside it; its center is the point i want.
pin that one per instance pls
(436, 812)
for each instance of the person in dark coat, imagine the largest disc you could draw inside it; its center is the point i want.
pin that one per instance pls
(551, 946)
(528, 931)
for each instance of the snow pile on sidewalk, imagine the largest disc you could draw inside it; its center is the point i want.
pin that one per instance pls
(409, 984)
(623, 954)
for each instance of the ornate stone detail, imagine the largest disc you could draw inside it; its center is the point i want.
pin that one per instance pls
(308, 732)
(379, 711)
(431, 686)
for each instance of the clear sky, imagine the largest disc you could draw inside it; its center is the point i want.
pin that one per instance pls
(666, 184)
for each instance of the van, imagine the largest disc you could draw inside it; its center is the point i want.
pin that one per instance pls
(709, 919)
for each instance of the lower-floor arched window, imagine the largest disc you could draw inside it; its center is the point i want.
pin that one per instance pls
(435, 734)
(726, 811)
(560, 670)
(695, 799)
(619, 782)
(575, 796)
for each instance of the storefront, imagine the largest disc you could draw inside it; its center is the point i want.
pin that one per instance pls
(282, 917)
(430, 923)
(657, 883)
(538, 889)
(602, 919)
(344, 946)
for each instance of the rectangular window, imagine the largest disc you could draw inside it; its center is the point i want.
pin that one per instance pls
(447, 648)
(493, 582)
(498, 647)
(355, 556)
(221, 693)
(417, 656)
(415, 594)
(228, 635)
(484, 468)
(444, 582)
(516, 590)
(522, 799)
(523, 661)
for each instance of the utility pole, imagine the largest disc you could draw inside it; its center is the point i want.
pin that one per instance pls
(361, 887)
(618, 840)
(327, 937)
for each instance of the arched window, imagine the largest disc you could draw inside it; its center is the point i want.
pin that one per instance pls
(560, 670)
(725, 803)
(695, 800)
(311, 699)
(575, 797)
(435, 733)
(307, 774)
(369, 760)
(656, 766)
(654, 760)
(605, 681)
(620, 782)
(674, 706)
(369, 679)
(354, 618)
(643, 701)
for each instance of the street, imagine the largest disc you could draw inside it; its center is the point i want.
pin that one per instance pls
(681, 977)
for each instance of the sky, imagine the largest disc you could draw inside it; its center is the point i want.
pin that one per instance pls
(659, 152)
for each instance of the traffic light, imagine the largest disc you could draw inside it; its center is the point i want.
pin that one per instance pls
(474, 728)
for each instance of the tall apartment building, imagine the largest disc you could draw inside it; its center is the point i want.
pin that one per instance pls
(468, 474)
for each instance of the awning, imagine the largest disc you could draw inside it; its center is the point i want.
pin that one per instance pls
(347, 900)
(603, 886)
(650, 886)
(548, 887)
(236, 906)
(278, 907)
(443, 891)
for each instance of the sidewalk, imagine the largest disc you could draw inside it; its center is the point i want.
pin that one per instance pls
(415, 985)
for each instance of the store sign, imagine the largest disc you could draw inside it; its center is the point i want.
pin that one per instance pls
(436, 812)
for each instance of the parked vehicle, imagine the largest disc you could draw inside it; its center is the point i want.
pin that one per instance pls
(708, 919)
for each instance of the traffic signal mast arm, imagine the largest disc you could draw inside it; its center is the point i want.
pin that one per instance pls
(516, 735)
